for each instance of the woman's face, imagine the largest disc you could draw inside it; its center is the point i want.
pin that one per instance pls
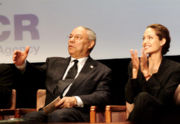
(151, 42)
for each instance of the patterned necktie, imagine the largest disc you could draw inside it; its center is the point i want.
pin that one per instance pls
(72, 71)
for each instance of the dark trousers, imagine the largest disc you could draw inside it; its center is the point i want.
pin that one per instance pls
(147, 109)
(59, 115)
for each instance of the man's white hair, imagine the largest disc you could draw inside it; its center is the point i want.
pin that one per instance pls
(91, 35)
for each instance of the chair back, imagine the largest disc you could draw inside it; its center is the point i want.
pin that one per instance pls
(41, 97)
(13, 99)
(9, 112)
(177, 95)
(115, 113)
(96, 115)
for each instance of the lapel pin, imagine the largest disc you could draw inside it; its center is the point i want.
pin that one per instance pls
(91, 66)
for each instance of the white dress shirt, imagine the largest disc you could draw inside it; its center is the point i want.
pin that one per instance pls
(80, 65)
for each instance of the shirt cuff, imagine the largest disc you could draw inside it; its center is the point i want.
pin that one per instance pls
(79, 101)
(22, 67)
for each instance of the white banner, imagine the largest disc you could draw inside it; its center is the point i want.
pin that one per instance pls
(44, 25)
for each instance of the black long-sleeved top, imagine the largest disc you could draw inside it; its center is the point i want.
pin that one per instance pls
(161, 85)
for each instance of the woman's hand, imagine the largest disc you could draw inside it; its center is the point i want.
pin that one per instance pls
(135, 63)
(144, 65)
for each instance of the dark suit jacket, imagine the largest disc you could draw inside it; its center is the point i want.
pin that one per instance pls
(161, 85)
(91, 85)
(7, 80)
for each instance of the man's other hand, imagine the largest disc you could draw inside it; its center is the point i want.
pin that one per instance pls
(66, 102)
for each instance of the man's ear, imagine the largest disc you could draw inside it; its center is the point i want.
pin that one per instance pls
(91, 45)
(162, 42)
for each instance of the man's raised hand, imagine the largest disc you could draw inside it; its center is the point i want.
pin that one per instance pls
(19, 57)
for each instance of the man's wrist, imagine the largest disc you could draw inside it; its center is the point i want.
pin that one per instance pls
(75, 101)
(79, 102)
(21, 67)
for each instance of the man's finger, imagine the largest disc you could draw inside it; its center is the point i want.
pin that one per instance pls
(27, 50)
(132, 53)
(59, 104)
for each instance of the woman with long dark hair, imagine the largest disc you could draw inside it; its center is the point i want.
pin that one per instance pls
(153, 79)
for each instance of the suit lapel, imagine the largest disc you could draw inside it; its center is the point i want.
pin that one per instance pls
(87, 69)
(61, 70)
(58, 69)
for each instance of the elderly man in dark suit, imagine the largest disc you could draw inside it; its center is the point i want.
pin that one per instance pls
(87, 85)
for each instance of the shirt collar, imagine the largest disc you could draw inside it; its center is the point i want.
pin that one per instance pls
(80, 60)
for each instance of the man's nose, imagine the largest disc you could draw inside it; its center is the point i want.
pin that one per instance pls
(71, 39)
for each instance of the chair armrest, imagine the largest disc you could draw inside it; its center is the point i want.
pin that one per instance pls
(117, 108)
(5, 112)
(40, 98)
(22, 111)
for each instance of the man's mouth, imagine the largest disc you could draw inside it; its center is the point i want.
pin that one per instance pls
(70, 46)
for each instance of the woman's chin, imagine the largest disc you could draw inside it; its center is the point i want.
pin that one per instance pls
(147, 51)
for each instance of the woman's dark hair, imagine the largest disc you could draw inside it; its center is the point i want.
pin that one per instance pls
(162, 32)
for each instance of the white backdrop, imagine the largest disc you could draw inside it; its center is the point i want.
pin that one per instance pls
(44, 25)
